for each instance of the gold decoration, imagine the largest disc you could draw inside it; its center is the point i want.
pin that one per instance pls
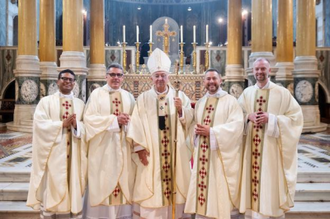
(166, 34)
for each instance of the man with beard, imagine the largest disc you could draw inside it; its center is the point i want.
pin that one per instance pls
(110, 168)
(59, 153)
(217, 135)
(273, 124)
(152, 130)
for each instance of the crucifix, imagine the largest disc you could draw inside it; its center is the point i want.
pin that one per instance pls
(166, 34)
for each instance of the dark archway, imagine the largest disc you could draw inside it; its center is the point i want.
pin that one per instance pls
(324, 106)
(15, 31)
(8, 103)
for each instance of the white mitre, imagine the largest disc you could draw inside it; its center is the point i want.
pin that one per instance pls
(159, 61)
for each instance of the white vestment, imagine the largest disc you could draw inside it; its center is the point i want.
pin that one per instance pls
(214, 185)
(145, 130)
(49, 177)
(273, 161)
(109, 156)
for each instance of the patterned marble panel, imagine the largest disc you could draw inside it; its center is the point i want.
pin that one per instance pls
(11, 141)
(323, 57)
(7, 66)
(218, 60)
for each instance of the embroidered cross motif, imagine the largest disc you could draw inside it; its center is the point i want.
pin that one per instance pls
(255, 195)
(203, 159)
(166, 154)
(66, 105)
(201, 199)
(256, 140)
(165, 140)
(207, 121)
(202, 172)
(261, 101)
(167, 193)
(256, 154)
(204, 147)
(257, 127)
(202, 186)
(161, 107)
(166, 167)
(116, 191)
(167, 180)
(116, 101)
(255, 181)
(256, 169)
(210, 108)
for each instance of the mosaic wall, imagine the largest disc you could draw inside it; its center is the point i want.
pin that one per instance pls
(7, 65)
(3, 23)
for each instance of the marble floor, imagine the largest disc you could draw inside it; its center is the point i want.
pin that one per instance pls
(16, 150)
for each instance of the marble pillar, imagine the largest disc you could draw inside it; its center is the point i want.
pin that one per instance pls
(97, 70)
(27, 70)
(261, 36)
(306, 72)
(47, 48)
(73, 56)
(284, 49)
(234, 83)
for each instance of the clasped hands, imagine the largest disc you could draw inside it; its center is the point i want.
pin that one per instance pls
(259, 118)
(71, 120)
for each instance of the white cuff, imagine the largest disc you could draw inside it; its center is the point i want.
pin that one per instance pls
(246, 125)
(182, 118)
(76, 133)
(272, 129)
(138, 148)
(196, 140)
(114, 127)
(213, 140)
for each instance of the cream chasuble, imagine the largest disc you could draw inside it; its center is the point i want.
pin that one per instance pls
(214, 184)
(59, 159)
(152, 127)
(110, 168)
(270, 163)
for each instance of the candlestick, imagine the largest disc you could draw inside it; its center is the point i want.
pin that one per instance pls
(194, 33)
(181, 33)
(137, 33)
(207, 33)
(165, 20)
(124, 35)
(150, 29)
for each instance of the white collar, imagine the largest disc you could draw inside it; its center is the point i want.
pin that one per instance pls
(111, 90)
(160, 93)
(218, 94)
(68, 96)
(264, 87)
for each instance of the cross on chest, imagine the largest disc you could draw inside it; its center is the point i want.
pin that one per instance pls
(202, 186)
(256, 140)
(166, 167)
(116, 101)
(203, 159)
(165, 141)
(167, 192)
(116, 191)
(202, 173)
(167, 180)
(204, 147)
(201, 199)
(165, 154)
(210, 108)
(255, 168)
(256, 153)
(207, 120)
(261, 100)
(66, 105)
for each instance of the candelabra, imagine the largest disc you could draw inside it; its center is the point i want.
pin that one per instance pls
(150, 50)
(124, 56)
(137, 62)
(194, 58)
(181, 58)
(207, 45)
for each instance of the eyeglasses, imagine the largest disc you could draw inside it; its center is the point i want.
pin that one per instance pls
(67, 79)
(159, 76)
(119, 75)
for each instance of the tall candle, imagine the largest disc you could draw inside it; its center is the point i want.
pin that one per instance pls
(137, 33)
(150, 33)
(124, 35)
(194, 33)
(165, 20)
(207, 33)
(181, 33)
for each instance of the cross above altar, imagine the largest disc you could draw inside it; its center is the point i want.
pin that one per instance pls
(166, 34)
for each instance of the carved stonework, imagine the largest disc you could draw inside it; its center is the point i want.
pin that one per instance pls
(236, 90)
(93, 87)
(304, 91)
(290, 88)
(42, 90)
(53, 88)
(83, 90)
(76, 90)
(29, 91)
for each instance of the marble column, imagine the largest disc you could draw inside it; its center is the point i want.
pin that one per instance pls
(27, 70)
(47, 48)
(262, 45)
(306, 72)
(97, 70)
(284, 48)
(234, 70)
(73, 56)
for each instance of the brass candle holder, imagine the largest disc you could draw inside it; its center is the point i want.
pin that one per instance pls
(137, 61)
(150, 48)
(194, 58)
(124, 56)
(181, 58)
(207, 55)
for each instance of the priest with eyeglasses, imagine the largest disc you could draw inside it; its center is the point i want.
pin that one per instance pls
(110, 170)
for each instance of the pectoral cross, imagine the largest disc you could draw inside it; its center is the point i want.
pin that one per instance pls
(166, 34)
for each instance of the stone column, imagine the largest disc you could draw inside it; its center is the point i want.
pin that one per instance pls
(97, 70)
(262, 45)
(306, 72)
(284, 48)
(47, 48)
(234, 70)
(73, 56)
(27, 70)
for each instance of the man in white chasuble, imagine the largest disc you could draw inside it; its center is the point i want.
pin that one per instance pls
(153, 132)
(110, 168)
(59, 153)
(273, 124)
(217, 137)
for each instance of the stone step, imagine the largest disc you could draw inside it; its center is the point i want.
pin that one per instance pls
(309, 210)
(17, 209)
(318, 192)
(316, 175)
(14, 191)
(15, 175)
(27, 122)
(19, 127)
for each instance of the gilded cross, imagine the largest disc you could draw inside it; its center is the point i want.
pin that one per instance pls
(166, 34)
